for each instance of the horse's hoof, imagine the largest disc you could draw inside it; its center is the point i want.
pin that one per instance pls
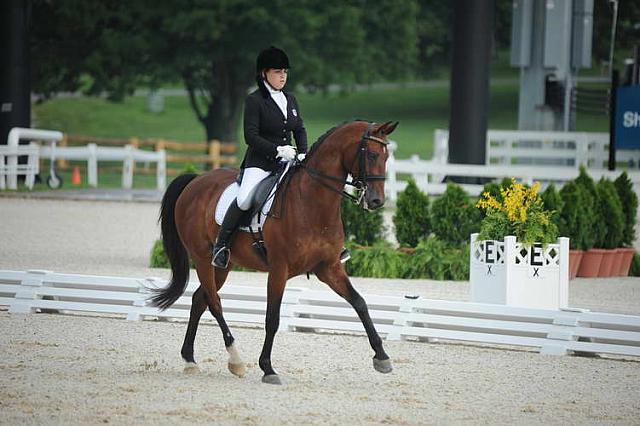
(238, 370)
(382, 366)
(271, 379)
(191, 368)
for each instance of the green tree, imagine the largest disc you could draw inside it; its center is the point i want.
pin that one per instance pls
(613, 220)
(576, 217)
(411, 220)
(552, 202)
(629, 200)
(454, 216)
(592, 203)
(211, 46)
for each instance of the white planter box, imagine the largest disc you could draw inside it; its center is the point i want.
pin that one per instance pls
(508, 273)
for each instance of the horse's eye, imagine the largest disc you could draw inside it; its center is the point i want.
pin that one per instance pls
(372, 156)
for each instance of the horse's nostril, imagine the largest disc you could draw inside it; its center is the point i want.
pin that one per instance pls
(376, 203)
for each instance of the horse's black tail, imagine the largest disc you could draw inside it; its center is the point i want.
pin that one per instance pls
(173, 247)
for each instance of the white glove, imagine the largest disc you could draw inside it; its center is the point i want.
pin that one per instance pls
(301, 157)
(286, 152)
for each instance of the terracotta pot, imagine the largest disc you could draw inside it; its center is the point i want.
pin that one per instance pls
(575, 257)
(617, 261)
(608, 259)
(625, 263)
(590, 264)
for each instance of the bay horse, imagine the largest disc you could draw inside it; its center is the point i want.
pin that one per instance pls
(308, 237)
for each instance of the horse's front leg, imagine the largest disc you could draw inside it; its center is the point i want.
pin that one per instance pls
(275, 289)
(335, 276)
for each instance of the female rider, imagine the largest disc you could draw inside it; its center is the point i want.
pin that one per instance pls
(270, 116)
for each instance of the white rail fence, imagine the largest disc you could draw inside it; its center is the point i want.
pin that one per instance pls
(91, 153)
(13, 150)
(552, 332)
(10, 170)
(546, 157)
(129, 155)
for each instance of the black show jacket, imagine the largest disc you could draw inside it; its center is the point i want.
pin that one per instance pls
(265, 128)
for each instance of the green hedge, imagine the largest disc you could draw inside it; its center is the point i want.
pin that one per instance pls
(431, 259)
(412, 221)
(360, 226)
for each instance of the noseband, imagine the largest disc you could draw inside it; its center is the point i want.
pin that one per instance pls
(360, 181)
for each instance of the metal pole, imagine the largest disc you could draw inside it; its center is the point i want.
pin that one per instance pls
(613, 36)
(568, 25)
(612, 120)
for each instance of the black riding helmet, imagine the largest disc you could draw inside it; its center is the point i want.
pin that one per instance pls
(269, 58)
(272, 58)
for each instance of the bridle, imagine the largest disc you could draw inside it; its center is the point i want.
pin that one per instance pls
(359, 182)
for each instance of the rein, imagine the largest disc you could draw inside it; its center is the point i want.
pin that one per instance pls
(360, 181)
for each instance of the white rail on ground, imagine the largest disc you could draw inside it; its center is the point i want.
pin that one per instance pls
(552, 332)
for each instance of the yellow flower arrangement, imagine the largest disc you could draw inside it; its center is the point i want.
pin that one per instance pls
(518, 211)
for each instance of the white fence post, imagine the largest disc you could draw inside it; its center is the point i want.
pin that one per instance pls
(391, 188)
(161, 170)
(127, 168)
(92, 165)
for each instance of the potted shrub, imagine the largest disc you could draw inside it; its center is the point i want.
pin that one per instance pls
(575, 222)
(629, 201)
(517, 259)
(613, 222)
(592, 258)
(411, 219)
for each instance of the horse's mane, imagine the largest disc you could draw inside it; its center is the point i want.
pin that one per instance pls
(326, 134)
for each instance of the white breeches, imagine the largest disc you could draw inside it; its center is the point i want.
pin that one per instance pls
(250, 180)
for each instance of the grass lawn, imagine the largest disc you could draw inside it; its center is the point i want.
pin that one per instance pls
(420, 111)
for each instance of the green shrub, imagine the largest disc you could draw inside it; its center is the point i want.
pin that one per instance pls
(454, 217)
(552, 202)
(158, 256)
(412, 216)
(434, 259)
(629, 200)
(379, 261)
(634, 271)
(360, 226)
(613, 220)
(596, 223)
(190, 168)
(575, 217)
(521, 213)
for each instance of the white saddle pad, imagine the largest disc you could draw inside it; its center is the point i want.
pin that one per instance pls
(231, 192)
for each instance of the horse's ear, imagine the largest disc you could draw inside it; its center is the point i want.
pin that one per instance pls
(387, 128)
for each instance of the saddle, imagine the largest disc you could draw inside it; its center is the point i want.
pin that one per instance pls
(261, 202)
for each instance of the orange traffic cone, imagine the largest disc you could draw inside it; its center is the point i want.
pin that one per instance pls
(75, 176)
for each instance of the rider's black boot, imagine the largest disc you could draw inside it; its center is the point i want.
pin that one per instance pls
(221, 252)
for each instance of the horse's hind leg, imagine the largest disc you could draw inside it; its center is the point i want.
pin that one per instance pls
(198, 305)
(335, 276)
(212, 280)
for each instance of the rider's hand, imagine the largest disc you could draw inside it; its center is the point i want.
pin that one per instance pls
(286, 152)
(301, 157)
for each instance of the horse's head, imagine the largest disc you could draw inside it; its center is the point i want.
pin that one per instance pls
(368, 163)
